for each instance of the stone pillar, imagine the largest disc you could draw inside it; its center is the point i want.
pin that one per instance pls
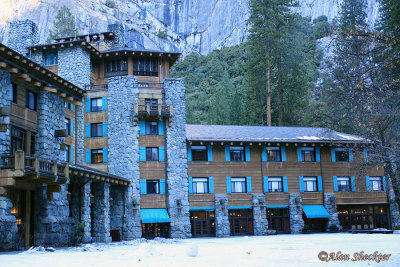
(330, 206)
(119, 32)
(8, 225)
(393, 206)
(296, 213)
(221, 216)
(117, 208)
(85, 215)
(74, 65)
(80, 135)
(21, 34)
(123, 146)
(101, 212)
(176, 160)
(5, 97)
(260, 214)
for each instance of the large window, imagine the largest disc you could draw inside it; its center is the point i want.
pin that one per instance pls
(203, 223)
(376, 183)
(238, 185)
(237, 153)
(343, 184)
(308, 154)
(30, 100)
(97, 156)
(50, 58)
(96, 129)
(273, 154)
(96, 104)
(310, 184)
(115, 67)
(200, 185)
(363, 217)
(145, 67)
(151, 127)
(342, 154)
(17, 140)
(13, 93)
(241, 221)
(151, 153)
(275, 184)
(278, 220)
(199, 153)
(153, 186)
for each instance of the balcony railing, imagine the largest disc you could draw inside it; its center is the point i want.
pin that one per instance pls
(96, 87)
(141, 84)
(143, 110)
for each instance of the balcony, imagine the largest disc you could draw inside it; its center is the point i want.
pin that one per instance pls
(95, 87)
(22, 170)
(23, 117)
(143, 111)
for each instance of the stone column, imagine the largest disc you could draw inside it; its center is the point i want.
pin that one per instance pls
(176, 160)
(117, 208)
(123, 146)
(221, 216)
(330, 206)
(8, 225)
(101, 212)
(80, 135)
(85, 215)
(74, 65)
(21, 34)
(5, 97)
(393, 206)
(260, 214)
(296, 213)
(119, 32)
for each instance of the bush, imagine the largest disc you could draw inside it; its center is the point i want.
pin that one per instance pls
(79, 232)
(333, 228)
(110, 4)
(162, 34)
(397, 227)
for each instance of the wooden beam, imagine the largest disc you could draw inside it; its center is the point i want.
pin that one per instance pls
(3, 65)
(37, 84)
(62, 94)
(54, 188)
(49, 89)
(7, 182)
(3, 191)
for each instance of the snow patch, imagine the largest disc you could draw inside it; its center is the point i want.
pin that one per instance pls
(193, 250)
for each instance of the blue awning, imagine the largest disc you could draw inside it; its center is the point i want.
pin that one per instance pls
(154, 216)
(240, 207)
(202, 208)
(315, 211)
(277, 206)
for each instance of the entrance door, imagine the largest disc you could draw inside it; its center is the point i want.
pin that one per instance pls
(152, 230)
(241, 222)
(203, 223)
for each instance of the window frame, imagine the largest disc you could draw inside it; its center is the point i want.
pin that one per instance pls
(152, 102)
(67, 153)
(28, 95)
(68, 126)
(271, 180)
(17, 142)
(276, 149)
(145, 67)
(310, 178)
(235, 149)
(348, 186)
(152, 155)
(93, 153)
(303, 151)
(342, 150)
(235, 180)
(197, 151)
(148, 127)
(116, 66)
(373, 179)
(157, 184)
(14, 93)
(99, 127)
(50, 58)
(205, 181)
(97, 107)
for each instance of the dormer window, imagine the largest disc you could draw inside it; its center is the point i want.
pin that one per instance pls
(145, 67)
(115, 67)
(50, 58)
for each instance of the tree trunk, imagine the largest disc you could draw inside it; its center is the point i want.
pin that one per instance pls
(268, 85)
(280, 89)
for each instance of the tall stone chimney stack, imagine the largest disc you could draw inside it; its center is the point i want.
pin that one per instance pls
(119, 31)
(21, 34)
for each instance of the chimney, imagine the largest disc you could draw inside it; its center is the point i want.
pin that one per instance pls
(21, 34)
(119, 32)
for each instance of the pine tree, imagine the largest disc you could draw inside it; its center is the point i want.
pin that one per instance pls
(64, 24)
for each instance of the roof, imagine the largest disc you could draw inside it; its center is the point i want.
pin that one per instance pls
(130, 49)
(80, 170)
(196, 132)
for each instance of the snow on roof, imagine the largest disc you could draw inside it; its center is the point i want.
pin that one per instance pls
(196, 132)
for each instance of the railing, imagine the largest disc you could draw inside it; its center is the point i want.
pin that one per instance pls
(151, 85)
(162, 110)
(23, 113)
(141, 84)
(29, 161)
(96, 87)
(45, 166)
(7, 161)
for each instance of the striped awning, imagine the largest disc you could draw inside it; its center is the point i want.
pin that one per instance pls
(155, 216)
(315, 211)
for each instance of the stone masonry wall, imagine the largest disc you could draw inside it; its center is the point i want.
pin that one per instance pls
(123, 146)
(118, 30)
(21, 34)
(260, 214)
(296, 213)
(5, 97)
(176, 159)
(393, 206)
(330, 206)
(222, 227)
(101, 212)
(8, 225)
(117, 208)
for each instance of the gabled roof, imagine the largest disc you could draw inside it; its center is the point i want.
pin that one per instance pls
(236, 133)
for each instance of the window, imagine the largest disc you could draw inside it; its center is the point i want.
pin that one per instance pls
(376, 183)
(236, 153)
(310, 184)
(97, 156)
(275, 184)
(50, 58)
(343, 184)
(96, 129)
(200, 185)
(145, 67)
(116, 66)
(273, 154)
(153, 186)
(30, 100)
(153, 104)
(33, 142)
(17, 140)
(308, 154)
(67, 126)
(151, 153)
(96, 104)
(68, 105)
(151, 127)
(66, 153)
(13, 93)
(342, 154)
(199, 153)
(238, 185)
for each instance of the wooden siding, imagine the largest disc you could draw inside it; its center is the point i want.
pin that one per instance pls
(151, 140)
(201, 200)
(152, 169)
(153, 201)
(361, 197)
(277, 198)
(96, 142)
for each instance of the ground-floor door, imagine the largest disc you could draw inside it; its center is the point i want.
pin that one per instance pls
(278, 220)
(363, 217)
(203, 223)
(241, 222)
(152, 230)
(314, 225)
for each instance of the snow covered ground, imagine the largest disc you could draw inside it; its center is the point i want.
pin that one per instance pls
(280, 250)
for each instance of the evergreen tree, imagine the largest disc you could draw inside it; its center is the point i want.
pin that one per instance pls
(64, 24)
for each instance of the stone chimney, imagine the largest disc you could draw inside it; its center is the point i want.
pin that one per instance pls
(21, 34)
(119, 32)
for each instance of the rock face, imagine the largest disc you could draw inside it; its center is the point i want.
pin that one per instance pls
(184, 25)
